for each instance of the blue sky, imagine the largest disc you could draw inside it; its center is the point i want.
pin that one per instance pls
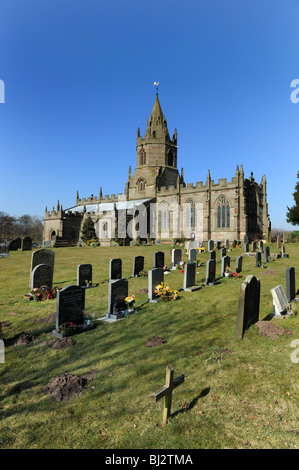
(79, 82)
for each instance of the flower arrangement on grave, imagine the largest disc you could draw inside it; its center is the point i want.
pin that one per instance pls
(165, 292)
(88, 283)
(68, 328)
(130, 301)
(230, 273)
(44, 293)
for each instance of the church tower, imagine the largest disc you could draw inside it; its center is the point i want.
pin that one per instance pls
(156, 158)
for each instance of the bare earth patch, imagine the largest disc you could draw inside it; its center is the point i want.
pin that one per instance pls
(270, 329)
(269, 272)
(67, 386)
(155, 342)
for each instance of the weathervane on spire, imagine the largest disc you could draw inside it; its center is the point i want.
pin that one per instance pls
(157, 84)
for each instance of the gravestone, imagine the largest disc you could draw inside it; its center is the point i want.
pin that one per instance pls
(249, 305)
(290, 284)
(84, 273)
(41, 275)
(70, 307)
(266, 254)
(218, 245)
(261, 245)
(283, 252)
(155, 277)
(15, 244)
(278, 241)
(222, 252)
(190, 277)
(43, 256)
(158, 259)
(246, 247)
(213, 255)
(280, 302)
(225, 263)
(192, 255)
(258, 258)
(118, 291)
(192, 244)
(211, 273)
(4, 250)
(138, 265)
(227, 244)
(115, 269)
(210, 245)
(176, 257)
(239, 263)
(253, 246)
(26, 244)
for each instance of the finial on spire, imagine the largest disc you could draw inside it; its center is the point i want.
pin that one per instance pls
(157, 85)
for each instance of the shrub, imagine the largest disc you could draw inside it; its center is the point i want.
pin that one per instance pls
(294, 236)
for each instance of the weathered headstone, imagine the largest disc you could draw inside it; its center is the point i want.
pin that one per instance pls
(192, 255)
(283, 252)
(115, 269)
(211, 272)
(43, 256)
(278, 241)
(41, 275)
(266, 254)
(249, 305)
(15, 244)
(239, 263)
(155, 277)
(258, 258)
(225, 263)
(4, 250)
(261, 245)
(158, 259)
(280, 302)
(138, 265)
(227, 244)
(222, 252)
(210, 245)
(26, 244)
(84, 275)
(70, 307)
(166, 392)
(290, 284)
(176, 257)
(190, 277)
(118, 291)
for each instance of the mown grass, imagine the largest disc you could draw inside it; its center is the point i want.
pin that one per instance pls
(236, 394)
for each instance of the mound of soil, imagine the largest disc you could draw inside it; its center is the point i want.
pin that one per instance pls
(20, 339)
(67, 386)
(270, 329)
(5, 323)
(64, 343)
(269, 272)
(155, 342)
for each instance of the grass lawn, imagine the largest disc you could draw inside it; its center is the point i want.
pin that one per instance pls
(236, 394)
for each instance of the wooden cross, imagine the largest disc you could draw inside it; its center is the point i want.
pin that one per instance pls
(166, 391)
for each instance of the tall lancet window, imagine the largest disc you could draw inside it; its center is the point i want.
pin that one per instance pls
(223, 213)
(142, 157)
(141, 185)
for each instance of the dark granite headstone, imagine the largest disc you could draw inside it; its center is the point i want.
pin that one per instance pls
(15, 244)
(70, 306)
(258, 258)
(192, 255)
(239, 264)
(290, 284)
(84, 273)
(249, 305)
(138, 265)
(115, 269)
(213, 255)
(118, 291)
(246, 247)
(222, 252)
(253, 246)
(225, 263)
(211, 272)
(26, 244)
(266, 254)
(155, 277)
(158, 259)
(190, 277)
(41, 275)
(176, 257)
(43, 256)
(210, 245)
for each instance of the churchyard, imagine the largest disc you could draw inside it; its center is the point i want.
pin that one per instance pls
(101, 389)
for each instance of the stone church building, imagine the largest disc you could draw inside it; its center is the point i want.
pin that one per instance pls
(158, 204)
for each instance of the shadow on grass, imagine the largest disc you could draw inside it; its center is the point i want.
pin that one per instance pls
(191, 405)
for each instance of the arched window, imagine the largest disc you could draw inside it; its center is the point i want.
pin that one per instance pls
(190, 214)
(141, 185)
(170, 158)
(142, 157)
(223, 213)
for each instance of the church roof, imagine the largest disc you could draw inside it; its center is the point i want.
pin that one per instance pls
(108, 206)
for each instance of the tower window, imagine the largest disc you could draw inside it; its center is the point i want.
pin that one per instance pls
(142, 157)
(141, 185)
